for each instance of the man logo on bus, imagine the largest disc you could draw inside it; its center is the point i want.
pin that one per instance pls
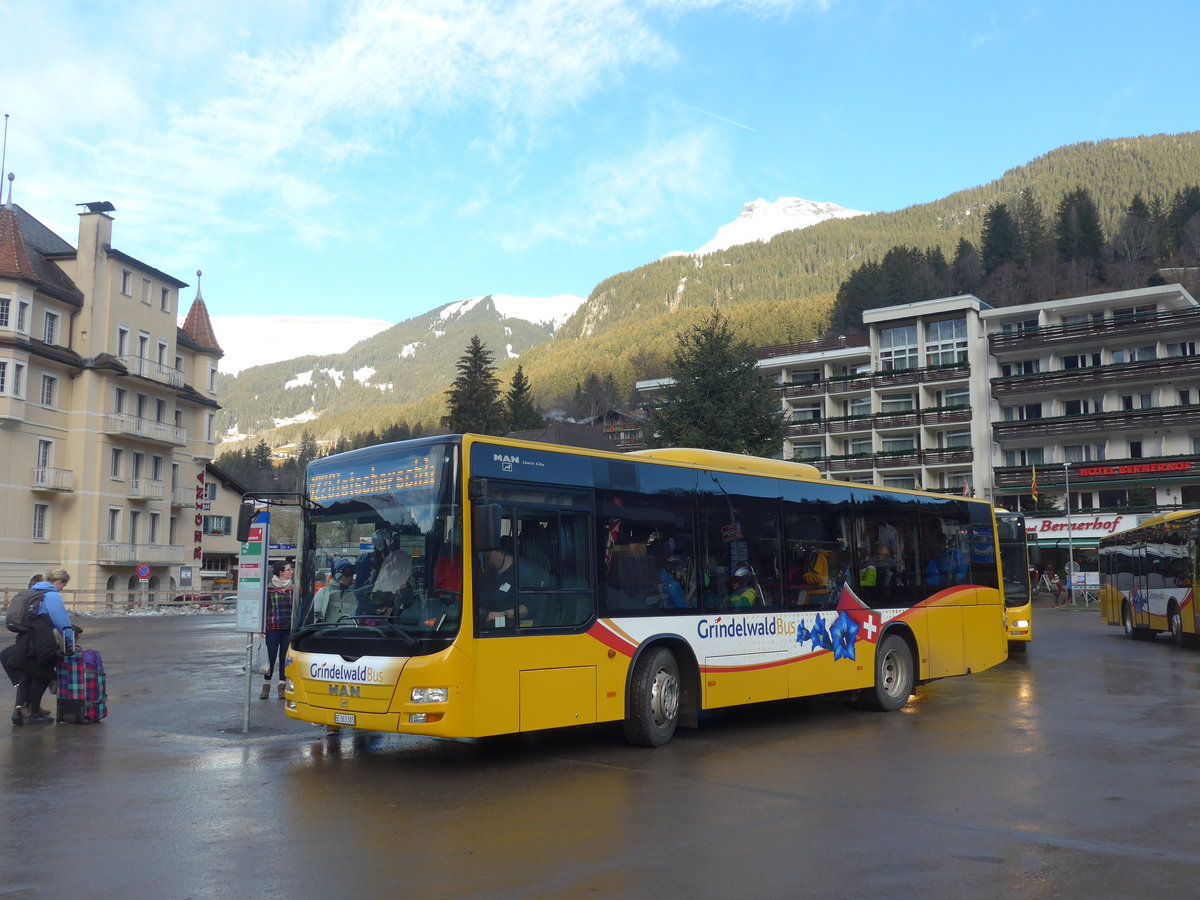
(506, 461)
(345, 690)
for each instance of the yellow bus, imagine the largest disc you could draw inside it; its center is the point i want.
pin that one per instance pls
(1147, 575)
(1015, 576)
(483, 586)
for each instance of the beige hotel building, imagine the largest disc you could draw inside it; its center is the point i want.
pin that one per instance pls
(106, 414)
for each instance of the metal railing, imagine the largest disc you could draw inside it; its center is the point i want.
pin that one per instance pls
(155, 371)
(124, 423)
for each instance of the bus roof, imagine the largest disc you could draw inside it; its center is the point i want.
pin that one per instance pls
(719, 459)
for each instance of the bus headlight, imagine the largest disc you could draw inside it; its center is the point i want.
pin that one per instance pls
(429, 695)
(1021, 623)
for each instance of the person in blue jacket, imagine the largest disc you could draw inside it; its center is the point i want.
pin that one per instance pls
(47, 615)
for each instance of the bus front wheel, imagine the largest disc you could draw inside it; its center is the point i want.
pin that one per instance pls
(894, 676)
(1175, 621)
(653, 699)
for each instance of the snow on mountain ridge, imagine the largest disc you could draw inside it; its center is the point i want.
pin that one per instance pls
(761, 220)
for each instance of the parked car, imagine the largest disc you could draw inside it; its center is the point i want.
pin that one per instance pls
(207, 599)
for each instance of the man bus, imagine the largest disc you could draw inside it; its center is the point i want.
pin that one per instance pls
(536, 595)
(1147, 576)
(1015, 575)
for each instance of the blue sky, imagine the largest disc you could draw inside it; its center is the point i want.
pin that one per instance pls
(380, 159)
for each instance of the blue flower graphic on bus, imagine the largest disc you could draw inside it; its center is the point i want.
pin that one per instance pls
(844, 633)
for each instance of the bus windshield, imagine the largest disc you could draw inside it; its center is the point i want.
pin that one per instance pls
(382, 562)
(1014, 557)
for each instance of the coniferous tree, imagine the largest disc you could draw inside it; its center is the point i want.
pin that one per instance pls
(966, 272)
(262, 457)
(716, 400)
(1032, 232)
(1000, 240)
(474, 398)
(902, 276)
(1183, 226)
(862, 290)
(1078, 238)
(521, 413)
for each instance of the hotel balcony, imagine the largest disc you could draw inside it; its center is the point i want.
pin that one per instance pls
(146, 489)
(113, 553)
(1088, 333)
(848, 424)
(47, 478)
(1096, 473)
(182, 496)
(154, 371)
(1097, 423)
(146, 429)
(1152, 372)
(948, 456)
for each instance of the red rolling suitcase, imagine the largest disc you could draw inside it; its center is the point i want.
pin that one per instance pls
(82, 691)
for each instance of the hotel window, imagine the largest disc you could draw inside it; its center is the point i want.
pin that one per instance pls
(5, 305)
(178, 363)
(1132, 312)
(1018, 327)
(859, 446)
(210, 491)
(49, 390)
(172, 527)
(1030, 456)
(126, 282)
(1022, 413)
(1083, 407)
(898, 348)
(217, 524)
(954, 397)
(117, 462)
(897, 403)
(139, 405)
(119, 401)
(805, 376)
(1145, 353)
(212, 379)
(209, 419)
(163, 350)
(806, 412)
(899, 443)
(1081, 361)
(50, 333)
(156, 468)
(1182, 348)
(41, 512)
(946, 342)
(3, 375)
(135, 525)
(164, 299)
(957, 438)
(146, 291)
(152, 535)
(904, 482)
(1185, 397)
(22, 316)
(1022, 367)
(1135, 450)
(160, 409)
(1084, 452)
(122, 340)
(859, 406)
(807, 451)
(18, 381)
(44, 450)
(114, 519)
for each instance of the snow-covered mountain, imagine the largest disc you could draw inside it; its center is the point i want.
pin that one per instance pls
(257, 340)
(761, 220)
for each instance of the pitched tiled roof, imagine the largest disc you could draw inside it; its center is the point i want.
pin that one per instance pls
(25, 245)
(199, 328)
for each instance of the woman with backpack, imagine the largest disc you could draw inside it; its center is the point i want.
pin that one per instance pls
(44, 616)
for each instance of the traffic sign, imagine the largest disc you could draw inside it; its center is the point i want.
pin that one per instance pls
(143, 571)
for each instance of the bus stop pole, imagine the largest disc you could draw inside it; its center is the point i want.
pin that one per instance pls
(1070, 545)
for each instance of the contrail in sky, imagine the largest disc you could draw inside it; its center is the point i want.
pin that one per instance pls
(697, 109)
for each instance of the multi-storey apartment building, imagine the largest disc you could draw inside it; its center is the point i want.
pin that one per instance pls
(1100, 393)
(106, 410)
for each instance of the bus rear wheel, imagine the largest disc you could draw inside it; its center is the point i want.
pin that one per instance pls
(1175, 623)
(653, 699)
(894, 676)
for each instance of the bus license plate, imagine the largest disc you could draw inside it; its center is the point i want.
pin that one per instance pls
(343, 718)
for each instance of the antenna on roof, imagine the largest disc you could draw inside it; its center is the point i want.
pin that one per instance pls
(4, 158)
(198, 274)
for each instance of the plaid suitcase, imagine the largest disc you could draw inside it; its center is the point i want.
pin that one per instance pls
(82, 691)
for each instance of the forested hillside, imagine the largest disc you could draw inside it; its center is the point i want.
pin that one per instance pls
(818, 259)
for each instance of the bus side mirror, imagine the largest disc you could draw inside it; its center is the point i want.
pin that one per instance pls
(485, 534)
(245, 519)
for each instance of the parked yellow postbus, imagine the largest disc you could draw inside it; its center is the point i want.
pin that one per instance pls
(1015, 576)
(1147, 577)
(483, 586)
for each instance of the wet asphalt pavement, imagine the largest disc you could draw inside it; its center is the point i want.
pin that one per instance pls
(1069, 771)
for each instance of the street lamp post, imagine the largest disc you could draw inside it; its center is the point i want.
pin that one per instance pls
(1070, 546)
